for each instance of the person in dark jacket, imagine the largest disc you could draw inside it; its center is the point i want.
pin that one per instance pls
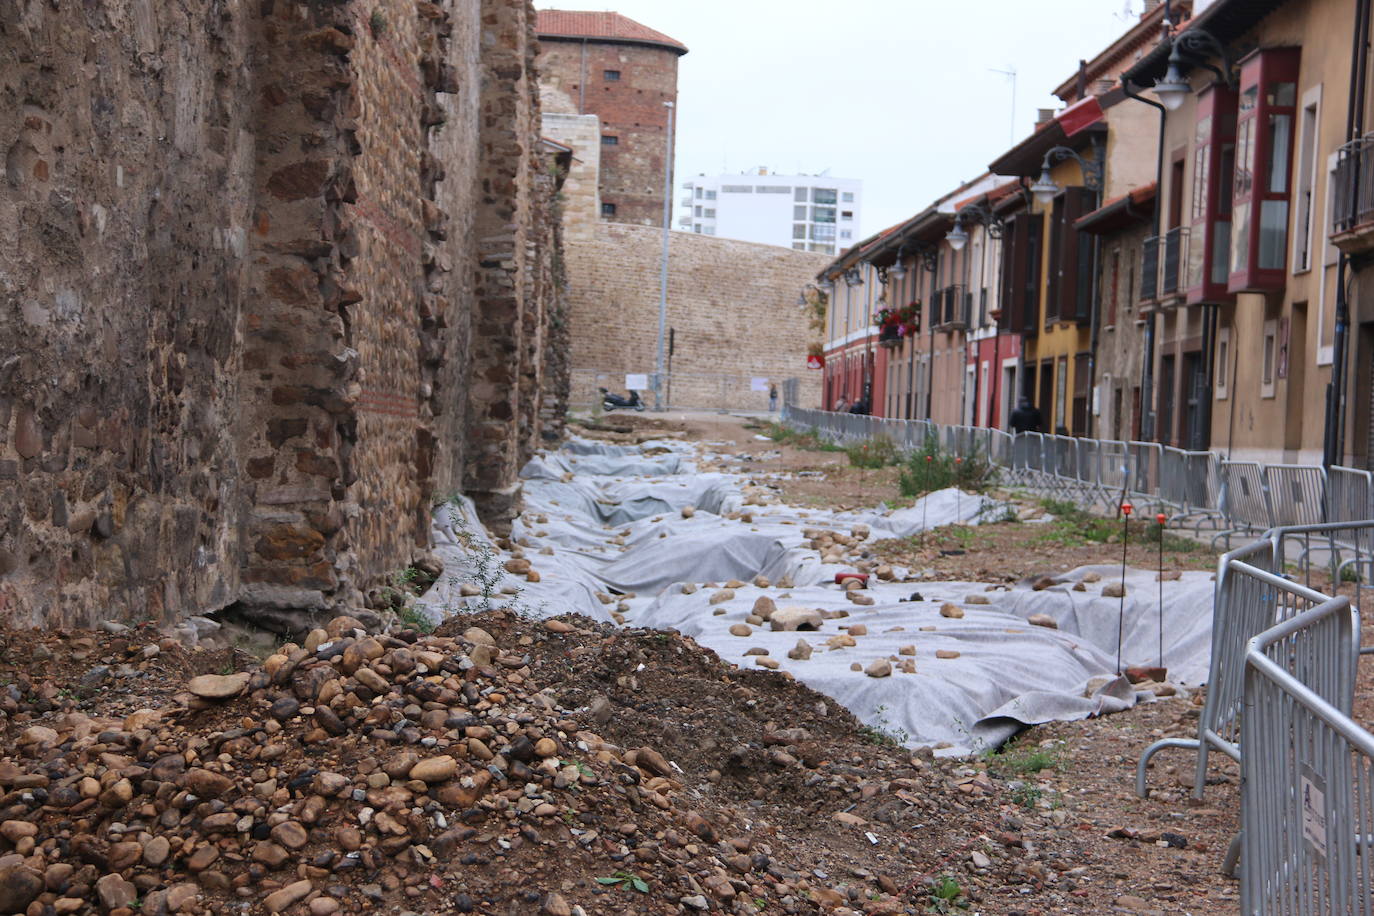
(1026, 418)
(860, 406)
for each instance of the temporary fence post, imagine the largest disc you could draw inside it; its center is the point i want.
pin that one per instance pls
(925, 500)
(1121, 609)
(958, 493)
(1160, 519)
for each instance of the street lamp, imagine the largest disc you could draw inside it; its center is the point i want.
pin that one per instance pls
(957, 237)
(977, 213)
(898, 270)
(1045, 187)
(1173, 89)
(1192, 46)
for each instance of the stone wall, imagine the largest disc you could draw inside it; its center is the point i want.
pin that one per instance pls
(128, 139)
(242, 244)
(732, 304)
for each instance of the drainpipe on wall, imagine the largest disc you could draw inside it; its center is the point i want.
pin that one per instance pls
(930, 336)
(1147, 375)
(1333, 447)
(1094, 324)
(582, 82)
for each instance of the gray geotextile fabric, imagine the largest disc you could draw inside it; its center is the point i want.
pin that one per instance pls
(604, 527)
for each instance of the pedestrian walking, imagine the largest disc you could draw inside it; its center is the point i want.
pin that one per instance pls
(772, 398)
(1026, 418)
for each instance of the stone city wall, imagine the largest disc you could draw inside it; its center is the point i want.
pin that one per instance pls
(238, 241)
(732, 304)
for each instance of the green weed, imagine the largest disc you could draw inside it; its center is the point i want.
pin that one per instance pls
(625, 879)
(884, 733)
(878, 452)
(1016, 759)
(932, 468)
(946, 895)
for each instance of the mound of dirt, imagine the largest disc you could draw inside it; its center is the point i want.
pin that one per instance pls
(500, 765)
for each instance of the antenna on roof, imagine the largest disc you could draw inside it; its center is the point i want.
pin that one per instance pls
(1011, 73)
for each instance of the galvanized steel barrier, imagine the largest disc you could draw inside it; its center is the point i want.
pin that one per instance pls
(1193, 488)
(1307, 792)
(1284, 655)
(1250, 596)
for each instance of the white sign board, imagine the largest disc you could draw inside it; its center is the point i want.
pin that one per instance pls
(637, 382)
(1313, 800)
(758, 384)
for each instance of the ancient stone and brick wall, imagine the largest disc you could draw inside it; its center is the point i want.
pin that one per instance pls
(733, 306)
(125, 215)
(631, 110)
(238, 242)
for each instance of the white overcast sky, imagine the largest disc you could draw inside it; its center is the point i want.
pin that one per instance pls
(897, 93)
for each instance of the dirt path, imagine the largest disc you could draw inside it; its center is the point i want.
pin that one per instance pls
(1070, 834)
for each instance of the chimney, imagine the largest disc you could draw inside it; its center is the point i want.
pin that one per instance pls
(1044, 116)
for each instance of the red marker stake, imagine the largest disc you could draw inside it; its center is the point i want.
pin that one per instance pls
(1160, 519)
(925, 500)
(1126, 509)
(958, 494)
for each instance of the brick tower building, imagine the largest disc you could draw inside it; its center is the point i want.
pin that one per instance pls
(622, 72)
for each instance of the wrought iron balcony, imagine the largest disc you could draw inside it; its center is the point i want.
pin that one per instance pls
(1149, 270)
(1171, 276)
(1352, 193)
(952, 305)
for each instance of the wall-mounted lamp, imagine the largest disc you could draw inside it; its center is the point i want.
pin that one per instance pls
(1045, 187)
(975, 213)
(1191, 46)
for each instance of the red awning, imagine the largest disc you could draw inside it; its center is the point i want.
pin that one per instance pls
(1080, 115)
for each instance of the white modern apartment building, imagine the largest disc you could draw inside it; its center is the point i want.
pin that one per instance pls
(805, 212)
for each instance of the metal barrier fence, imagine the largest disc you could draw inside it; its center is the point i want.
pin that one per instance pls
(1284, 655)
(1250, 597)
(1196, 489)
(1307, 792)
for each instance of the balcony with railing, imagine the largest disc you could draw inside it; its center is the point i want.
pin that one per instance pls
(1149, 270)
(952, 306)
(1171, 278)
(1352, 192)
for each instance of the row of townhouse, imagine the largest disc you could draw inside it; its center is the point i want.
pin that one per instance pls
(1174, 256)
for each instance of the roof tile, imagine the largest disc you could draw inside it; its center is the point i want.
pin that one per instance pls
(604, 25)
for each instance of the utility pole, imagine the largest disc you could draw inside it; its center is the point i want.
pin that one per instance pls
(659, 401)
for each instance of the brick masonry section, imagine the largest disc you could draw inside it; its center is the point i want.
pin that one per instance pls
(257, 260)
(733, 305)
(631, 110)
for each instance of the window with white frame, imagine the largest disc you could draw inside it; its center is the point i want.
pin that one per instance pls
(1305, 190)
(1270, 357)
(1223, 366)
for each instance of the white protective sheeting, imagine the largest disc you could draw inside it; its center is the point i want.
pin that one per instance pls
(614, 528)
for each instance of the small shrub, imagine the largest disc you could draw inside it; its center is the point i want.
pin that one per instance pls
(877, 452)
(932, 469)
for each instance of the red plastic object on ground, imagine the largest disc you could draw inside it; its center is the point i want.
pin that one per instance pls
(841, 576)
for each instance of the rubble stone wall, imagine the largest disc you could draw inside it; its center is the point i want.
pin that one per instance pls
(240, 243)
(732, 304)
(128, 136)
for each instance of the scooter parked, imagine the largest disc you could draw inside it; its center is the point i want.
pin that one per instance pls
(611, 401)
